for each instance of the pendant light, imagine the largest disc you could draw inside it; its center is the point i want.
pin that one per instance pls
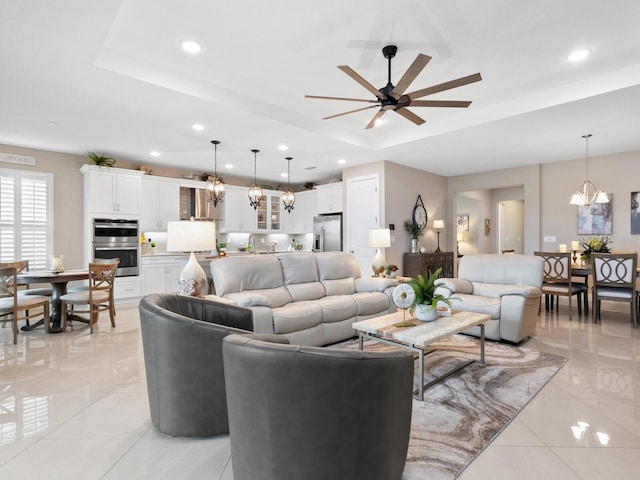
(288, 198)
(588, 193)
(255, 192)
(215, 188)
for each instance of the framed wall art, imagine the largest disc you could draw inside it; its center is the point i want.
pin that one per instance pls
(635, 213)
(463, 222)
(596, 219)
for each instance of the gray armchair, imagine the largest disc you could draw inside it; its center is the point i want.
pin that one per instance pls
(182, 341)
(316, 413)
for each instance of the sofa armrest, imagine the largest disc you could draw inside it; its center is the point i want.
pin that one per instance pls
(455, 285)
(526, 291)
(373, 284)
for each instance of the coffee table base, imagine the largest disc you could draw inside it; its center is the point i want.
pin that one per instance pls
(419, 392)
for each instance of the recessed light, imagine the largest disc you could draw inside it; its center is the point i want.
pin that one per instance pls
(283, 148)
(379, 122)
(342, 161)
(53, 124)
(191, 46)
(198, 127)
(154, 154)
(578, 55)
(229, 166)
(283, 174)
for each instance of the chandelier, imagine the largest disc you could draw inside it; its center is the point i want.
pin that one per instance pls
(255, 192)
(588, 193)
(288, 198)
(215, 188)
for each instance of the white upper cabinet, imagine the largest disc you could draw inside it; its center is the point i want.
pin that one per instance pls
(303, 212)
(239, 216)
(160, 203)
(111, 190)
(329, 198)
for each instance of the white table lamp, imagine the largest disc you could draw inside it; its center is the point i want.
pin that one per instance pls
(438, 225)
(379, 238)
(192, 236)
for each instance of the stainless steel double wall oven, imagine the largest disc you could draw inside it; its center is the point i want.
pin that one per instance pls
(117, 238)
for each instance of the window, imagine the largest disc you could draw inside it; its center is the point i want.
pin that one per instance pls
(25, 217)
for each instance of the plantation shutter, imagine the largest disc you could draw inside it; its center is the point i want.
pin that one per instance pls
(25, 217)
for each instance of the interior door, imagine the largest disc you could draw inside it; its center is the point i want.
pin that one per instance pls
(363, 214)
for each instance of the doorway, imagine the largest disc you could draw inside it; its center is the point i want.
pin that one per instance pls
(511, 226)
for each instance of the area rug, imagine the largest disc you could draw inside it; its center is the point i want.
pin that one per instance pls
(462, 414)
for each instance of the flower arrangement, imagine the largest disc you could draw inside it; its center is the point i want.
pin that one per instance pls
(389, 270)
(598, 244)
(413, 229)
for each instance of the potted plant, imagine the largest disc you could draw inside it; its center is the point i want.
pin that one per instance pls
(100, 160)
(426, 303)
(594, 244)
(390, 270)
(415, 231)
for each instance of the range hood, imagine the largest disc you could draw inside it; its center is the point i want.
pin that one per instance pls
(195, 204)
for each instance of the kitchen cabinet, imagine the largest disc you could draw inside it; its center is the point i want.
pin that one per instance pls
(269, 213)
(427, 263)
(126, 287)
(160, 203)
(160, 274)
(239, 216)
(304, 211)
(329, 198)
(111, 190)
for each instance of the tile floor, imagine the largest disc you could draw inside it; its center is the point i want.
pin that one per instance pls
(74, 406)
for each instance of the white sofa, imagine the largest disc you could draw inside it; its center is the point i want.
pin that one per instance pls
(312, 298)
(507, 287)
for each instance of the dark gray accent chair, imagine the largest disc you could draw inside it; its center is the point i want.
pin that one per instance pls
(316, 413)
(182, 341)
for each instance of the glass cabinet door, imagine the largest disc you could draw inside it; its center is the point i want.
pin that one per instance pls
(261, 214)
(275, 212)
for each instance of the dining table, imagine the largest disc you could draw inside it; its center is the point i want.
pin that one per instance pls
(58, 281)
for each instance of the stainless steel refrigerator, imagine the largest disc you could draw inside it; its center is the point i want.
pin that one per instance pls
(327, 233)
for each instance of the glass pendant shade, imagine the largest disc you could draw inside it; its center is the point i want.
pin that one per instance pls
(255, 192)
(588, 193)
(288, 198)
(215, 188)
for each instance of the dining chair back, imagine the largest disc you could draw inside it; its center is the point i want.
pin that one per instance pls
(11, 303)
(614, 279)
(98, 297)
(557, 280)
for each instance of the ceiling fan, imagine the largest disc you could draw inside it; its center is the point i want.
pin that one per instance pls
(392, 97)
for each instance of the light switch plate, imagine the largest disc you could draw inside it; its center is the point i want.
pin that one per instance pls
(550, 239)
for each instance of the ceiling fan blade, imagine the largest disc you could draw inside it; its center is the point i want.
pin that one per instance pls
(410, 116)
(440, 103)
(375, 118)
(350, 111)
(412, 72)
(349, 71)
(341, 98)
(446, 86)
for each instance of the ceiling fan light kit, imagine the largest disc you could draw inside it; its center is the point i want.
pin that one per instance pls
(393, 98)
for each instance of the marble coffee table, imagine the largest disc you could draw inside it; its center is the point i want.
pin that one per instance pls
(418, 338)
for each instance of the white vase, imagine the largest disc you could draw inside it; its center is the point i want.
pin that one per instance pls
(426, 313)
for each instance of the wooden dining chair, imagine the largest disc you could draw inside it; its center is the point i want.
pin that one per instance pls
(509, 251)
(557, 279)
(11, 303)
(98, 297)
(614, 279)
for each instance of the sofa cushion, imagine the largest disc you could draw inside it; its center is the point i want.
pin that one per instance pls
(337, 308)
(296, 316)
(247, 299)
(336, 265)
(370, 303)
(275, 297)
(305, 291)
(477, 304)
(502, 269)
(341, 286)
(298, 268)
(251, 272)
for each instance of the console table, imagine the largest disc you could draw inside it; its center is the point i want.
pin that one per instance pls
(427, 263)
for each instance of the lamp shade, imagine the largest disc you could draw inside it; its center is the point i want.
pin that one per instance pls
(191, 236)
(438, 224)
(380, 238)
